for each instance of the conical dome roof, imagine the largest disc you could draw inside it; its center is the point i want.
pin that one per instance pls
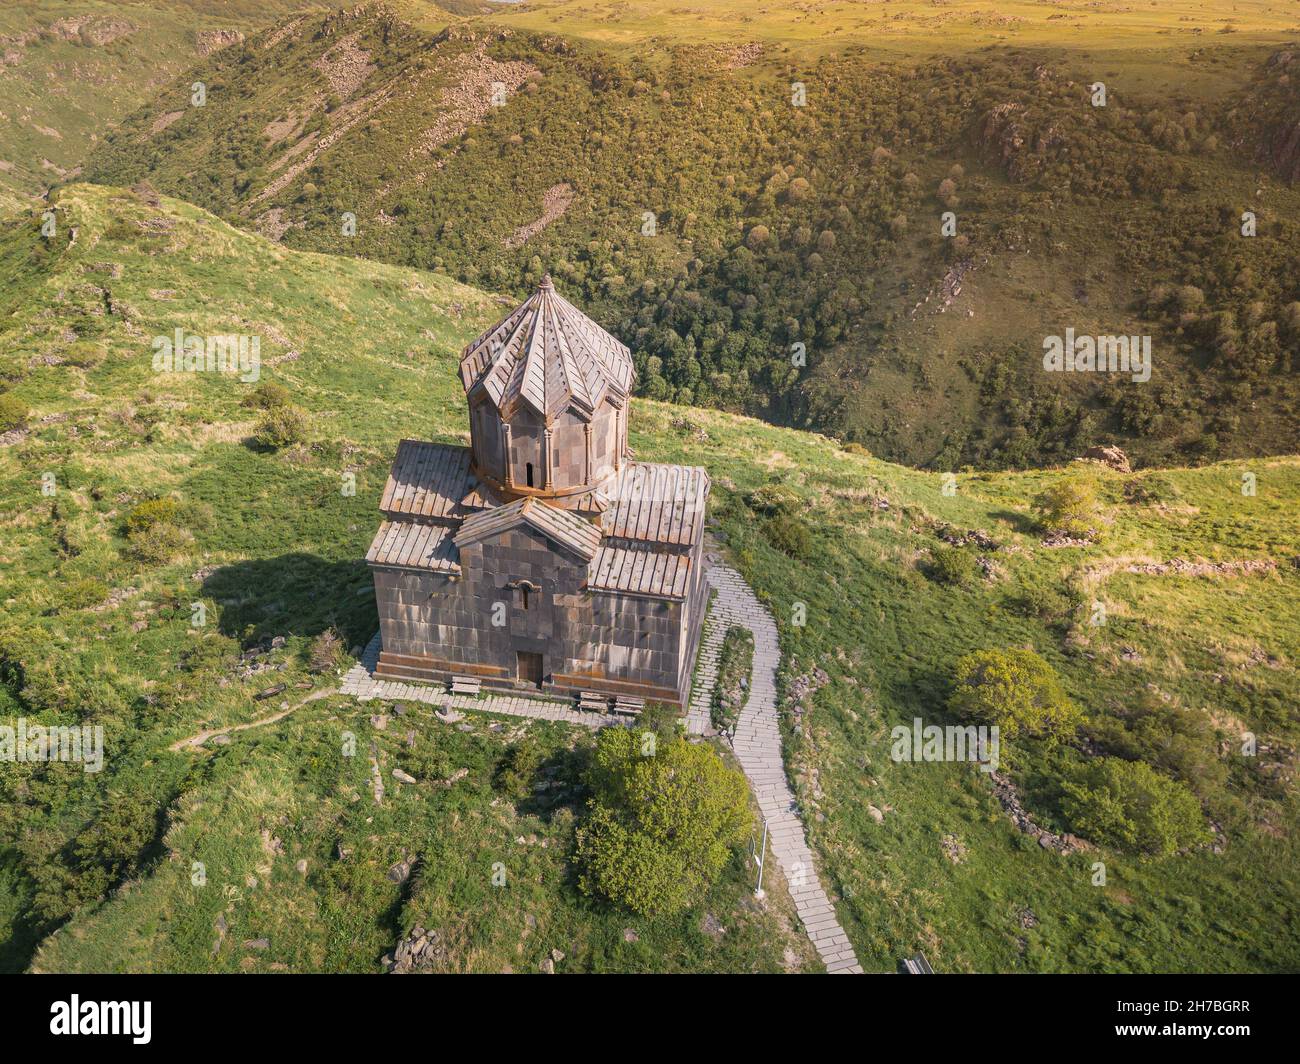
(550, 356)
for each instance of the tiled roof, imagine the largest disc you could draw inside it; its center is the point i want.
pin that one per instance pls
(639, 570)
(427, 480)
(560, 526)
(549, 355)
(655, 503)
(414, 545)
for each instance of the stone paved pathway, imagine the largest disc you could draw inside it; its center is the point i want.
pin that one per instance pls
(757, 742)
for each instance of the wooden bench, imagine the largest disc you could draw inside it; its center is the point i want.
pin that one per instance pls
(466, 685)
(628, 706)
(590, 700)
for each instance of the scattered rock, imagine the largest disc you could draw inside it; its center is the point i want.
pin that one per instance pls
(953, 848)
(400, 872)
(403, 777)
(257, 943)
(712, 926)
(301, 867)
(875, 814)
(630, 936)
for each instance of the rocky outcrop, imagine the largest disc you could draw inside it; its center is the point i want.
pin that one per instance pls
(420, 951)
(208, 41)
(1108, 456)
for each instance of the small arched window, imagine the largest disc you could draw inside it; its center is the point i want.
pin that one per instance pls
(529, 474)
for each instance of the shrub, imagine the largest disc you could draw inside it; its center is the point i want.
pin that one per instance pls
(326, 651)
(789, 535)
(281, 426)
(1046, 604)
(266, 396)
(1016, 690)
(1173, 739)
(86, 591)
(1070, 506)
(661, 827)
(1131, 806)
(772, 499)
(144, 515)
(955, 566)
(519, 767)
(13, 413)
(158, 543)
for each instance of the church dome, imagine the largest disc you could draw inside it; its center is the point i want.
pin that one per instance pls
(550, 356)
(547, 389)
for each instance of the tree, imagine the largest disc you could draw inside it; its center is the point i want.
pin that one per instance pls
(1129, 805)
(1070, 506)
(1016, 690)
(281, 426)
(664, 818)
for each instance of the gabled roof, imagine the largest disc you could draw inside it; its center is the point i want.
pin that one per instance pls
(549, 356)
(426, 480)
(414, 545)
(560, 526)
(639, 570)
(654, 503)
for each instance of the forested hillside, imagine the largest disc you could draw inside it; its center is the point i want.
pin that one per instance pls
(765, 226)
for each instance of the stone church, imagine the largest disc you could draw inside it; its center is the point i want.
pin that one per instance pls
(542, 556)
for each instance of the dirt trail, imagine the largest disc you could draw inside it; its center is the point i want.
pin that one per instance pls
(203, 736)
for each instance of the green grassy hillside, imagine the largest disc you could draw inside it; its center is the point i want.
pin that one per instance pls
(70, 69)
(715, 224)
(97, 627)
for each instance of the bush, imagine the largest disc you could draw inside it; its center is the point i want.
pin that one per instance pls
(789, 535)
(158, 543)
(519, 768)
(13, 413)
(144, 515)
(1070, 506)
(326, 651)
(281, 426)
(84, 592)
(1173, 739)
(1045, 604)
(1016, 690)
(774, 499)
(955, 566)
(267, 396)
(1129, 805)
(662, 825)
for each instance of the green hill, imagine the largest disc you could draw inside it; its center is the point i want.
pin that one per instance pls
(881, 577)
(70, 69)
(716, 225)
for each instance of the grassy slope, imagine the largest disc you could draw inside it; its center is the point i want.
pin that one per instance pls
(376, 358)
(711, 150)
(60, 92)
(279, 549)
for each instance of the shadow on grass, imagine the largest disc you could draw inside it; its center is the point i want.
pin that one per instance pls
(294, 594)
